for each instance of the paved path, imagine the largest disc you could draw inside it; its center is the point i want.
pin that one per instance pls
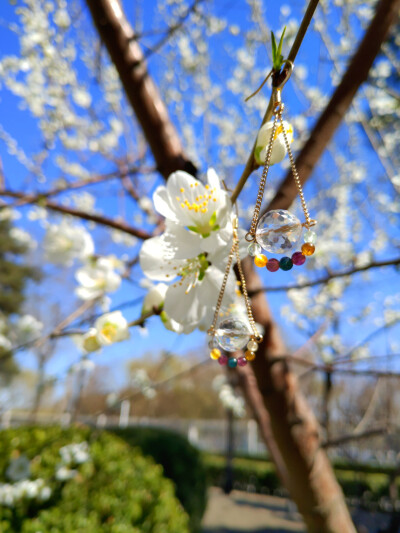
(256, 513)
(252, 513)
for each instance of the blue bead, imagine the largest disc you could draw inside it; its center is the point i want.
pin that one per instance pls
(232, 362)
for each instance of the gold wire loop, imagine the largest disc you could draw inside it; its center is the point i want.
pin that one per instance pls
(289, 69)
(250, 237)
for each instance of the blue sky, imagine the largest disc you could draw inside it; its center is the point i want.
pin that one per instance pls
(23, 127)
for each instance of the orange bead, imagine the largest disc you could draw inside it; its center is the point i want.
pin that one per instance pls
(260, 260)
(307, 248)
(250, 356)
(215, 354)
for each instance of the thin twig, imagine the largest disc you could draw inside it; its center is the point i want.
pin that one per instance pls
(99, 219)
(329, 277)
(251, 164)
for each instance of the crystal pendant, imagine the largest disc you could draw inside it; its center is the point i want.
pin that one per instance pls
(278, 231)
(232, 334)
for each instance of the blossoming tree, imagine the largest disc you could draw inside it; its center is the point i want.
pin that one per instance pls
(104, 124)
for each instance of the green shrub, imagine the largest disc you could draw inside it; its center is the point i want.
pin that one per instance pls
(181, 462)
(362, 481)
(260, 475)
(115, 490)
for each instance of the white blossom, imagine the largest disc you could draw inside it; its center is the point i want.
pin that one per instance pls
(28, 328)
(65, 242)
(112, 327)
(97, 277)
(193, 250)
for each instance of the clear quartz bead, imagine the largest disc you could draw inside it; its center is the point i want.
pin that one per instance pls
(254, 249)
(278, 231)
(232, 334)
(310, 237)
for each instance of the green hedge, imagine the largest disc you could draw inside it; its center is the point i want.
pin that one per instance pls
(181, 462)
(114, 490)
(261, 476)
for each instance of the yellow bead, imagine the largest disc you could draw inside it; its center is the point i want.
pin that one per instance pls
(250, 356)
(260, 260)
(307, 248)
(215, 354)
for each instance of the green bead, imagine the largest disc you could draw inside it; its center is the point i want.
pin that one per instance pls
(232, 362)
(285, 263)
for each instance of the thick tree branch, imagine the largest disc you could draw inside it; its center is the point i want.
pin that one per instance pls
(126, 54)
(357, 72)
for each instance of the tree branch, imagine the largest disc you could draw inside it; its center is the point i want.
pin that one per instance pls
(126, 54)
(329, 277)
(344, 439)
(357, 72)
(99, 219)
(251, 163)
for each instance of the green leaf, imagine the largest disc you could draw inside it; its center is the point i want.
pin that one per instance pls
(277, 56)
(273, 43)
(280, 46)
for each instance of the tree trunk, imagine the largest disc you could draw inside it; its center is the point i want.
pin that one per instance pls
(312, 483)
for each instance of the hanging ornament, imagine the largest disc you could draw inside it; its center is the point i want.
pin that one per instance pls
(278, 231)
(232, 333)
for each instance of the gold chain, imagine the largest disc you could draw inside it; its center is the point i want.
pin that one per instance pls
(250, 236)
(278, 107)
(234, 253)
(296, 176)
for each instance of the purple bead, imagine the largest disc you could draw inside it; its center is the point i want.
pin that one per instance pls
(242, 361)
(298, 258)
(223, 360)
(272, 265)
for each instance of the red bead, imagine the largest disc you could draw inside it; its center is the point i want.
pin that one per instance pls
(223, 360)
(298, 258)
(242, 361)
(272, 265)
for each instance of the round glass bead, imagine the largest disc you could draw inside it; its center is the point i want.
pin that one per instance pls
(310, 236)
(285, 263)
(278, 231)
(232, 362)
(242, 361)
(215, 354)
(254, 249)
(308, 248)
(212, 343)
(273, 265)
(252, 346)
(232, 334)
(250, 356)
(260, 260)
(223, 360)
(298, 258)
